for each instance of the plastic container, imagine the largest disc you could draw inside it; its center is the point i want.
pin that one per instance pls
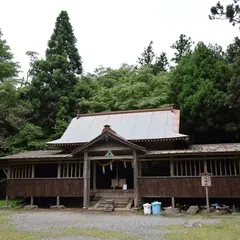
(124, 187)
(156, 208)
(147, 208)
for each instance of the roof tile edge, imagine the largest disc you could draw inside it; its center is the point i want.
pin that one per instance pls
(126, 111)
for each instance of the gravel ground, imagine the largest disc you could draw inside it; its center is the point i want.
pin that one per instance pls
(135, 225)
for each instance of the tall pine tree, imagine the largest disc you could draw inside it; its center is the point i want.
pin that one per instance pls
(54, 79)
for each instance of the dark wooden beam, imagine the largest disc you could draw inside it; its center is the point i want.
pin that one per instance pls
(102, 149)
(110, 157)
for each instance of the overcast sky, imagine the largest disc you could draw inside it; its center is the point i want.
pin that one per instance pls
(110, 32)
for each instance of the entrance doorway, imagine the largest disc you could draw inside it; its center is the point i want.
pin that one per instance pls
(114, 175)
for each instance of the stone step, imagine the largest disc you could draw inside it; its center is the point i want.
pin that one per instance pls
(110, 204)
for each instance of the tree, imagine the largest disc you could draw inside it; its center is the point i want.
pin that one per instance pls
(161, 63)
(14, 114)
(182, 46)
(63, 42)
(233, 50)
(54, 80)
(147, 56)
(124, 89)
(231, 12)
(199, 86)
(8, 68)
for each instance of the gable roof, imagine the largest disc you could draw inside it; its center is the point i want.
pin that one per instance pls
(108, 132)
(132, 125)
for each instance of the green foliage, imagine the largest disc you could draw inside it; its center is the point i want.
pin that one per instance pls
(54, 80)
(233, 50)
(8, 68)
(182, 46)
(29, 137)
(126, 88)
(14, 113)
(231, 12)
(63, 43)
(199, 86)
(147, 56)
(204, 84)
(161, 63)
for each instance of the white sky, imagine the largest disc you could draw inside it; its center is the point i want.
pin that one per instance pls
(110, 32)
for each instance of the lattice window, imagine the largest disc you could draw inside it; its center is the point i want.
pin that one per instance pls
(71, 170)
(21, 171)
(188, 167)
(224, 167)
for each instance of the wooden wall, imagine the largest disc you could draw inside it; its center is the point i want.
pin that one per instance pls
(188, 187)
(45, 187)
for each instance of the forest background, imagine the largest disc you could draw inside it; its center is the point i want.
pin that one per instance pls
(201, 80)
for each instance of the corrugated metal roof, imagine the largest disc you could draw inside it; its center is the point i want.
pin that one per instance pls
(38, 154)
(155, 124)
(201, 148)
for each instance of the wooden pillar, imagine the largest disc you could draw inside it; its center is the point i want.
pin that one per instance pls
(59, 170)
(33, 171)
(9, 172)
(94, 176)
(173, 202)
(31, 200)
(172, 174)
(58, 200)
(171, 168)
(88, 180)
(205, 164)
(135, 179)
(85, 173)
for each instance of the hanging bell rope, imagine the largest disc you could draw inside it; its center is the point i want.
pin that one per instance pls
(104, 164)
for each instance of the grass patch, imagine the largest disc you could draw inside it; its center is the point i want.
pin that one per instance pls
(11, 203)
(229, 229)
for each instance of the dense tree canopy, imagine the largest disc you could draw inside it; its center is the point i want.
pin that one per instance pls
(203, 82)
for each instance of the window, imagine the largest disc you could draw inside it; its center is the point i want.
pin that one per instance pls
(71, 170)
(21, 171)
(46, 170)
(188, 167)
(224, 167)
(156, 168)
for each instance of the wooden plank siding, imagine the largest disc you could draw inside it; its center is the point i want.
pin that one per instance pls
(188, 187)
(45, 187)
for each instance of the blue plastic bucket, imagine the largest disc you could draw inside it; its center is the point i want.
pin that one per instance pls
(156, 208)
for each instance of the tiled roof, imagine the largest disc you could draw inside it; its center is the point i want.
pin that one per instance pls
(38, 155)
(201, 148)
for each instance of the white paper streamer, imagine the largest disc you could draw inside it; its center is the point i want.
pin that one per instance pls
(111, 167)
(103, 170)
(125, 164)
(132, 165)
